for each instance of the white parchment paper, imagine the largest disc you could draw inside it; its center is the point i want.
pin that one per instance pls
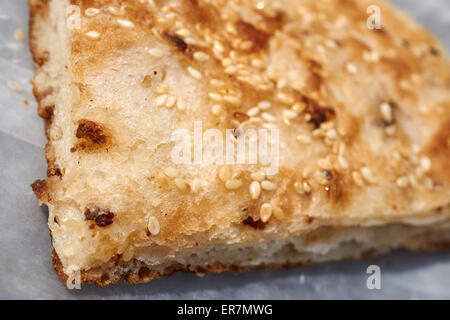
(25, 262)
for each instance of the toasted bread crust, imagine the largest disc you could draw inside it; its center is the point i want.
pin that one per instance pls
(331, 196)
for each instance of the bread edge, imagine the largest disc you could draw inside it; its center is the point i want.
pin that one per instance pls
(131, 276)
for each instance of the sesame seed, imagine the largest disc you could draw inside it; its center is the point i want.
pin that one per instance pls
(358, 179)
(258, 176)
(299, 107)
(386, 112)
(255, 190)
(218, 47)
(90, 12)
(425, 163)
(170, 102)
(390, 130)
(290, 114)
(298, 187)
(92, 34)
(163, 88)
(264, 105)
(304, 139)
(225, 173)
(343, 162)
(284, 98)
(128, 254)
(125, 23)
(306, 187)
(331, 133)
(413, 181)
(215, 96)
(278, 213)
(266, 212)
(17, 87)
(402, 182)
(156, 53)
(367, 175)
(183, 33)
(195, 73)
(182, 185)
(114, 11)
(171, 172)
(19, 35)
(268, 185)
(253, 112)
(217, 83)
(181, 106)
(268, 117)
(161, 100)
(201, 56)
(351, 68)
(216, 109)
(153, 225)
(196, 185)
(232, 99)
(324, 164)
(233, 184)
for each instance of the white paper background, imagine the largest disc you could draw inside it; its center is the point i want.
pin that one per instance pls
(25, 263)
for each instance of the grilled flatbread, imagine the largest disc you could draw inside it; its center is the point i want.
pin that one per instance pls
(362, 115)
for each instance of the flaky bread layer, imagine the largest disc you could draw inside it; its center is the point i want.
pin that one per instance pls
(345, 219)
(322, 245)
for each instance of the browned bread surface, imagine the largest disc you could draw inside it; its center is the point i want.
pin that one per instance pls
(364, 126)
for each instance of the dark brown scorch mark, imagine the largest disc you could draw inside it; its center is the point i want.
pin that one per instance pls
(318, 113)
(40, 189)
(258, 38)
(335, 186)
(258, 224)
(241, 117)
(102, 217)
(91, 131)
(177, 41)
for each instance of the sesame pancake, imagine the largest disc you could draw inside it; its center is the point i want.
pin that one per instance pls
(363, 117)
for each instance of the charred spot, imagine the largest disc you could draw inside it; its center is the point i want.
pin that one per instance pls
(40, 188)
(328, 175)
(54, 171)
(102, 217)
(91, 131)
(394, 108)
(435, 52)
(335, 185)
(46, 112)
(249, 32)
(318, 113)
(405, 43)
(177, 41)
(314, 81)
(258, 224)
(241, 117)
(144, 272)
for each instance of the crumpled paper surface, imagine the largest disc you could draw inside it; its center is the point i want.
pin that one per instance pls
(25, 261)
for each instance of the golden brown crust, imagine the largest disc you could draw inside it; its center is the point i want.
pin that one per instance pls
(145, 275)
(363, 116)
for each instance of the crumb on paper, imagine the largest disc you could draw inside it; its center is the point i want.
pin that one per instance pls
(19, 35)
(26, 102)
(17, 87)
